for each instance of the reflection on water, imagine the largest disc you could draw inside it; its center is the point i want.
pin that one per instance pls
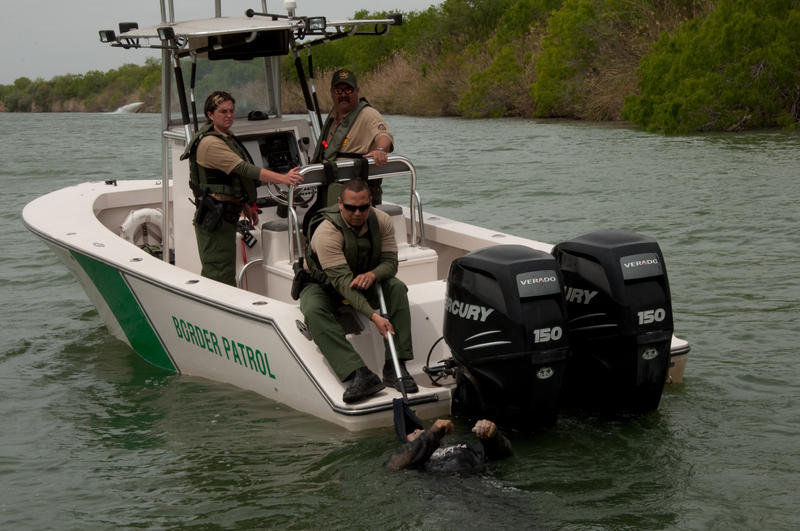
(94, 437)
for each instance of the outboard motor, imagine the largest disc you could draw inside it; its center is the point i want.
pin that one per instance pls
(620, 320)
(505, 323)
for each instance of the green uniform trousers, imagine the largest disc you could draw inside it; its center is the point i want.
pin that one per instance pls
(218, 252)
(319, 305)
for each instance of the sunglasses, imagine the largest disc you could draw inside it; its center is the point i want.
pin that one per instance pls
(353, 208)
(341, 91)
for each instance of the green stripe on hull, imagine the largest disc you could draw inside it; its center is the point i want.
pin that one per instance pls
(123, 304)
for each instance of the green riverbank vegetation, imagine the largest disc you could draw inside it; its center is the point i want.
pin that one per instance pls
(669, 66)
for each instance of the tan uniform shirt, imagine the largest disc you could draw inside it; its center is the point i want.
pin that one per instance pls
(369, 125)
(328, 241)
(214, 153)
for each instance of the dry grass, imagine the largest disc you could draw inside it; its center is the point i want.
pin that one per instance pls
(292, 98)
(395, 87)
(402, 87)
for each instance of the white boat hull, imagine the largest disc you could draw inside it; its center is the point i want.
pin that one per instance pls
(179, 321)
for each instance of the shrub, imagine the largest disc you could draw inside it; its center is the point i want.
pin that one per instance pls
(566, 51)
(737, 68)
(492, 91)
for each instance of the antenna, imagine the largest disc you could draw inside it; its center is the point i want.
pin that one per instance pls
(290, 6)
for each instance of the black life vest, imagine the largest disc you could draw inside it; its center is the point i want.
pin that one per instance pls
(331, 151)
(204, 180)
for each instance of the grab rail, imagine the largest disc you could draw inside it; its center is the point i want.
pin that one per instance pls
(314, 177)
(416, 197)
(294, 227)
(244, 269)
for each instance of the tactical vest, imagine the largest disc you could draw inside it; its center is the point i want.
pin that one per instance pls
(329, 191)
(362, 253)
(204, 180)
(332, 150)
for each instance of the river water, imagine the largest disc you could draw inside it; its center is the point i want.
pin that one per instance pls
(93, 437)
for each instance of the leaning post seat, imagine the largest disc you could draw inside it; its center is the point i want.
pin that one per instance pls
(278, 272)
(398, 221)
(416, 262)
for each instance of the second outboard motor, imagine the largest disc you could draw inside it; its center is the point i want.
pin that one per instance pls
(505, 324)
(620, 320)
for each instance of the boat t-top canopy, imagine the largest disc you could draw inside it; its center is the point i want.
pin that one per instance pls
(254, 35)
(219, 33)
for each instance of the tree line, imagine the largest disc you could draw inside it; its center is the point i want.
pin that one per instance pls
(666, 65)
(93, 91)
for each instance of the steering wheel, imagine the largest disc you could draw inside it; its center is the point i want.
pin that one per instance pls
(302, 196)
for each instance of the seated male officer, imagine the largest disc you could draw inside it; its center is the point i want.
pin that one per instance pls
(352, 248)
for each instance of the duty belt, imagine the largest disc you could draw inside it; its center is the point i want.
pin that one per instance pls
(226, 198)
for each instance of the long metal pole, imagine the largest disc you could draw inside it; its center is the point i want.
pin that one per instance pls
(390, 339)
(275, 85)
(312, 114)
(272, 66)
(318, 127)
(166, 244)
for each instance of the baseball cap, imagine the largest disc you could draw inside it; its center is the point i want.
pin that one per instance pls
(344, 76)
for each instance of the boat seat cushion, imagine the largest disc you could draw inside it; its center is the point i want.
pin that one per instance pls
(392, 210)
(398, 221)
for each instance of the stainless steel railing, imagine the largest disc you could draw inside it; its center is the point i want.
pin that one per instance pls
(396, 165)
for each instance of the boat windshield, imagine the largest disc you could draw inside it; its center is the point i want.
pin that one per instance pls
(244, 80)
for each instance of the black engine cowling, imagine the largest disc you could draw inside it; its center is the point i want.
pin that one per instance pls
(505, 322)
(620, 320)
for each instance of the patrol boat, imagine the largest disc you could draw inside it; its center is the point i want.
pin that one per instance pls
(507, 314)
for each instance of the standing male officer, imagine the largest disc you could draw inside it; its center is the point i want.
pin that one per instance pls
(353, 130)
